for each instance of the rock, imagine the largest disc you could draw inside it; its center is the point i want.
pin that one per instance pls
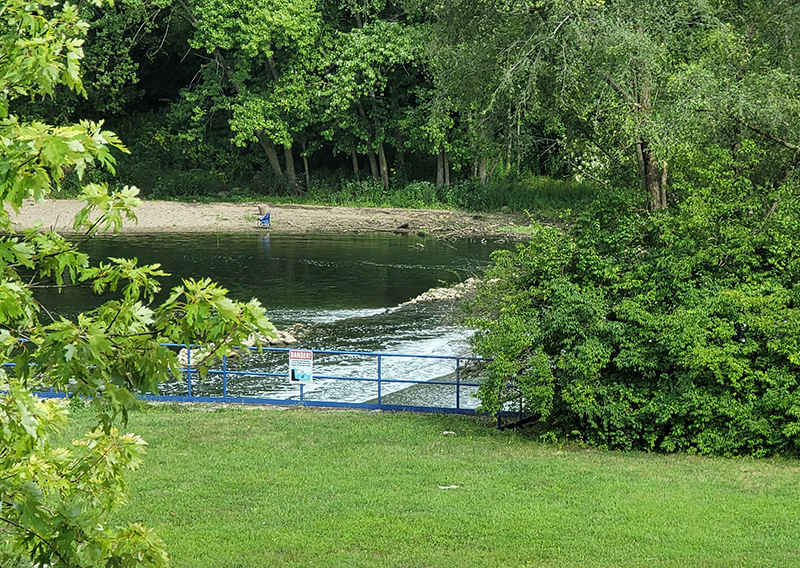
(455, 292)
(288, 336)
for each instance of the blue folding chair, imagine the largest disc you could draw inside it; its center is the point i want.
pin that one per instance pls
(264, 220)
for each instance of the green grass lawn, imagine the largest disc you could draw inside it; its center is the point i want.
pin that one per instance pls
(266, 487)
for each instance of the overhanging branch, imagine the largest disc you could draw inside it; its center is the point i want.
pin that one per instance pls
(768, 136)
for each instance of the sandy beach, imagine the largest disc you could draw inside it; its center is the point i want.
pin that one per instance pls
(181, 217)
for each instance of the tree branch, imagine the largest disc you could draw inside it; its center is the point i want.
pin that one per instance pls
(587, 174)
(94, 463)
(769, 136)
(37, 535)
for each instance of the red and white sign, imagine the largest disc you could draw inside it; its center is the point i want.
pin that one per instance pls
(301, 366)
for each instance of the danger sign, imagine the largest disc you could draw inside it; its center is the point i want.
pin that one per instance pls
(301, 366)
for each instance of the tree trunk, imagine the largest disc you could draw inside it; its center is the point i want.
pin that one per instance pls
(354, 158)
(384, 166)
(272, 156)
(373, 165)
(291, 175)
(442, 168)
(482, 170)
(378, 140)
(652, 177)
(640, 163)
(400, 155)
(497, 160)
(305, 166)
(373, 160)
(509, 145)
(519, 143)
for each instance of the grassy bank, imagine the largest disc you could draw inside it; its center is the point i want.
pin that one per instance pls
(257, 488)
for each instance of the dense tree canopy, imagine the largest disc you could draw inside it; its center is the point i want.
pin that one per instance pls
(675, 330)
(282, 95)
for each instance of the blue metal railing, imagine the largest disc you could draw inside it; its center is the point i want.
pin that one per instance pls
(446, 381)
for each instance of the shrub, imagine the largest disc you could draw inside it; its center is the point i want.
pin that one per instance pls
(541, 196)
(417, 194)
(672, 331)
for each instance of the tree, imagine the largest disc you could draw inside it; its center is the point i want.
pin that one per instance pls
(55, 501)
(363, 72)
(743, 87)
(498, 109)
(594, 73)
(261, 54)
(675, 330)
(630, 88)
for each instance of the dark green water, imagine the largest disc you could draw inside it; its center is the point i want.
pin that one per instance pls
(294, 274)
(345, 287)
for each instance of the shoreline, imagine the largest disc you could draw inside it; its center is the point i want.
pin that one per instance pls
(221, 217)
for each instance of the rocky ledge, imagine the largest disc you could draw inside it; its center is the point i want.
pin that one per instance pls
(458, 291)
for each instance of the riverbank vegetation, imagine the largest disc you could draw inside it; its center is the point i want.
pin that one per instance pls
(464, 104)
(660, 332)
(233, 487)
(665, 317)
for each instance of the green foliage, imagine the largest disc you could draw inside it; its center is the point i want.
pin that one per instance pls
(370, 193)
(55, 502)
(39, 52)
(55, 498)
(622, 90)
(174, 157)
(540, 196)
(228, 96)
(669, 332)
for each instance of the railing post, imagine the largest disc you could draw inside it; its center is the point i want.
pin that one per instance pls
(379, 381)
(458, 384)
(224, 376)
(189, 370)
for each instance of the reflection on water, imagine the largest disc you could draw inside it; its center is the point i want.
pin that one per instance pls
(345, 287)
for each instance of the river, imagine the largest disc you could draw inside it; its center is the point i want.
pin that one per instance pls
(345, 289)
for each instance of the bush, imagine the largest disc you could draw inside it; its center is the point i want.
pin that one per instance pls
(673, 331)
(370, 193)
(417, 194)
(543, 197)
